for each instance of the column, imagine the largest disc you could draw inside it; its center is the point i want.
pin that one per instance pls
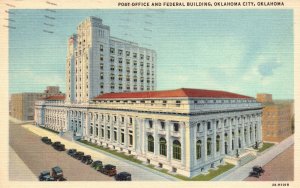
(205, 142)
(105, 124)
(248, 134)
(134, 133)
(259, 128)
(144, 137)
(214, 141)
(182, 138)
(126, 132)
(111, 130)
(119, 130)
(243, 134)
(94, 125)
(168, 138)
(230, 138)
(236, 139)
(222, 138)
(155, 135)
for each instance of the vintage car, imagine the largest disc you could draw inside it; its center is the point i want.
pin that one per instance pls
(258, 169)
(87, 159)
(57, 174)
(78, 155)
(97, 165)
(254, 174)
(71, 152)
(55, 144)
(108, 169)
(46, 140)
(123, 176)
(60, 147)
(45, 176)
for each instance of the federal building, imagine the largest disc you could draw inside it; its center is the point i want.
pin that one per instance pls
(111, 101)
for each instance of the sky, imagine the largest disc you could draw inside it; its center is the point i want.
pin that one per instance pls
(240, 51)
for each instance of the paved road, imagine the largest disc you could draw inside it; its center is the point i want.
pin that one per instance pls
(39, 156)
(242, 172)
(139, 173)
(281, 168)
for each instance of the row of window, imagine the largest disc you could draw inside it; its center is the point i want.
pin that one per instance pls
(127, 53)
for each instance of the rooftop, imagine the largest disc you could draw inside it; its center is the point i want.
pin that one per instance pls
(55, 98)
(177, 93)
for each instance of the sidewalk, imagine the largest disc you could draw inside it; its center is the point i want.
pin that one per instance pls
(17, 168)
(242, 172)
(138, 173)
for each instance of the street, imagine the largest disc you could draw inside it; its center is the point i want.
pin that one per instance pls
(25, 140)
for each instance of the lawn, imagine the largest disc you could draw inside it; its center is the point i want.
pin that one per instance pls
(212, 173)
(265, 146)
(49, 130)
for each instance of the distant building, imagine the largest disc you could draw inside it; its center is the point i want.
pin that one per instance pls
(276, 118)
(22, 104)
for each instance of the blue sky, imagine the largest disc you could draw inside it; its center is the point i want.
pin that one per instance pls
(242, 51)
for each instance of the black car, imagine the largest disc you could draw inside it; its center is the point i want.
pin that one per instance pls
(109, 170)
(60, 147)
(254, 174)
(45, 176)
(258, 169)
(57, 174)
(55, 144)
(78, 155)
(71, 152)
(46, 140)
(123, 176)
(97, 165)
(87, 159)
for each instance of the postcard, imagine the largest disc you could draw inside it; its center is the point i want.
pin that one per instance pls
(201, 93)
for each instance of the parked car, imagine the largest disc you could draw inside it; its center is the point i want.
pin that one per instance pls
(258, 169)
(254, 174)
(57, 174)
(109, 170)
(55, 144)
(46, 140)
(87, 159)
(71, 152)
(78, 155)
(97, 165)
(45, 176)
(123, 176)
(60, 147)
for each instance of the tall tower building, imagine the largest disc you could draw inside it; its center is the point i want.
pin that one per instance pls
(99, 63)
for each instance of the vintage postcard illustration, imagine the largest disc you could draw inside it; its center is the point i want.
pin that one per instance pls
(150, 91)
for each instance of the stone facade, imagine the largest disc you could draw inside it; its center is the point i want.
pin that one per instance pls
(185, 135)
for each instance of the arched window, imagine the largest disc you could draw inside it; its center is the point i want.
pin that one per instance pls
(209, 146)
(150, 143)
(218, 143)
(176, 150)
(198, 149)
(163, 146)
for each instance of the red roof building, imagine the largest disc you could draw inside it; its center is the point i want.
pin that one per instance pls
(177, 93)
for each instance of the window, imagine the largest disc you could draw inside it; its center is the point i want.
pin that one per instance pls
(218, 143)
(163, 146)
(122, 119)
(162, 124)
(102, 133)
(150, 143)
(209, 146)
(115, 135)
(130, 139)
(176, 127)
(208, 125)
(150, 124)
(130, 120)
(108, 133)
(120, 52)
(127, 53)
(176, 150)
(164, 103)
(198, 149)
(101, 48)
(91, 131)
(198, 127)
(112, 50)
(122, 138)
(177, 103)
